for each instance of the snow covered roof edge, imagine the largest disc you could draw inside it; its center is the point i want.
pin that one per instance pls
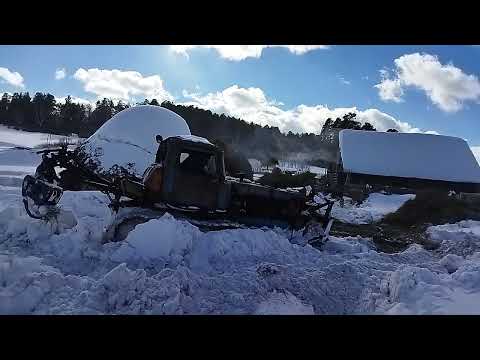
(192, 138)
(410, 155)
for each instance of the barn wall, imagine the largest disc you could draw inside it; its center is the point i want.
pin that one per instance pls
(412, 183)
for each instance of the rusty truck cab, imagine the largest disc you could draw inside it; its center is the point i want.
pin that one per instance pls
(193, 173)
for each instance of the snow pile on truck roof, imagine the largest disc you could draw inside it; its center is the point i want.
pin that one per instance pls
(193, 138)
(422, 156)
(128, 138)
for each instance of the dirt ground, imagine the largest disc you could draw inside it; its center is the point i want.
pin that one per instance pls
(387, 238)
(408, 225)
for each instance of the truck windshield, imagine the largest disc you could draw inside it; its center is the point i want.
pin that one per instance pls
(197, 162)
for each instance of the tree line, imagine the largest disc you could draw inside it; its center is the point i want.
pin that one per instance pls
(43, 113)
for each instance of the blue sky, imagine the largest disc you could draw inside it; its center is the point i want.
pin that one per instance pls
(412, 88)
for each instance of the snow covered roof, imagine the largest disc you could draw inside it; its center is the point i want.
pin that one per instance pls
(129, 137)
(422, 156)
(193, 138)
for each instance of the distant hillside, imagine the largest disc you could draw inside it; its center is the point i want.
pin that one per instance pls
(43, 113)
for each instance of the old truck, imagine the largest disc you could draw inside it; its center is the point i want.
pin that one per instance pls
(187, 178)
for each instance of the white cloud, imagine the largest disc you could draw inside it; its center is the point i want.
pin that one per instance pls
(344, 81)
(13, 78)
(252, 105)
(241, 52)
(122, 85)
(447, 86)
(388, 89)
(60, 74)
(476, 152)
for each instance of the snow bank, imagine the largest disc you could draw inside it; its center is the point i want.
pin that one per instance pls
(451, 286)
(146, 244)
(373, 209)
(169, 266)
(414, 290)
(464, 227)
(24, 282)
(128, 138)
(408, 155)
(283, 304)
(459, 238)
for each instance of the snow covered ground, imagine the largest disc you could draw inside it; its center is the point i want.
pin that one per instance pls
(373, 209)
(11, 138)
(168, 266)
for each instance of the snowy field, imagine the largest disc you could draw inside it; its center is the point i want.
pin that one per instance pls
(168, 266)
(11, 138)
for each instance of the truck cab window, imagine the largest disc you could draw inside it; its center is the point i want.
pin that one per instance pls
(183, 157)
(197, 162)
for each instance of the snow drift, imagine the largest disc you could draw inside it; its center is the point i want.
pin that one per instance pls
(169, 266)
(128, 138)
